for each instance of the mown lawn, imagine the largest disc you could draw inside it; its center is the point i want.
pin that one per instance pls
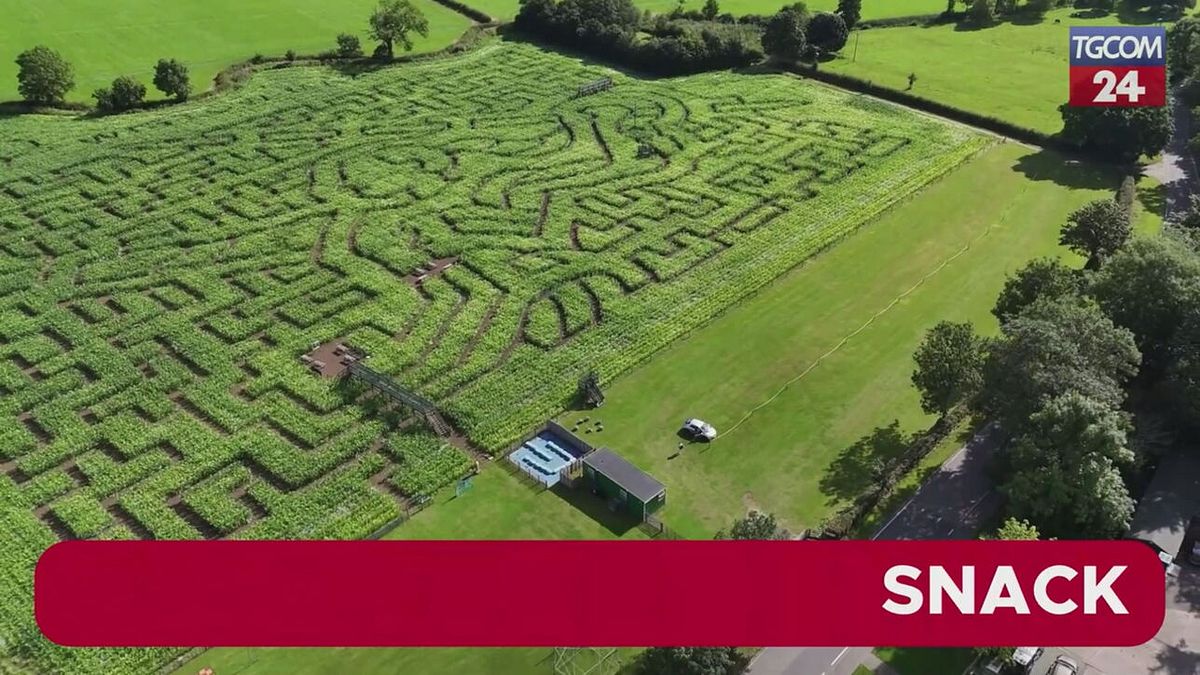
(1014, 71)
(104, 40)
(805, 450)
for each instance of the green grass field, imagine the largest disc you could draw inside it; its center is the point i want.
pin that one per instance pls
(1014, 71)
(795, 456)
(105, 39)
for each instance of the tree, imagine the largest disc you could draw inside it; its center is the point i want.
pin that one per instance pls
(1055, 347)
(1119, 134)
(125, 93)
(1096, 230)
(755, 525)
(1045, 278)
(981, 12)
(710, 10)
(1039, 7)
(1066, 465)
(392, 22)
(851, 11)
(690, 661)
(949, 366)
(171, 78)
(43, 76)
(348, 46)
(1150, 287)
(1015, 529)
(783, 36)
(1183, 373)
(827, 32)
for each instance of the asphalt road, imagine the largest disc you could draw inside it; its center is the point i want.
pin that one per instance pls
(952, 504)
(1176, 169)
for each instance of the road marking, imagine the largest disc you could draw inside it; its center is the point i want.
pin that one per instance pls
(839, 656)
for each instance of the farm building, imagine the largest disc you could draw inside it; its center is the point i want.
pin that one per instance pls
(623, 484)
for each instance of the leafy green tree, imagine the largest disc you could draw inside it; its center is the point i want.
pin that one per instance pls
(710, 10)
(348, 46)
(755, 525)
(126, 93)
(1055, 347)
(1118, 134)
(171, 78)
(982, 12)
(783, 36)
(1039, 7)
(1045, 278)
(1183, 373)
(827, 32)
(949, 366)
(1150, 287)
(691, 661)
(43, 75)
(1066, 477)
(1096, 230)
(393, 21)
(1015, 529)
(851, 11)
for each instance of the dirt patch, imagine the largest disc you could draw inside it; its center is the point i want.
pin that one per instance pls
(331, 358)
(430, 270)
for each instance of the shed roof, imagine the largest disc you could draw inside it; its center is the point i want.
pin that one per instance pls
(633, 480)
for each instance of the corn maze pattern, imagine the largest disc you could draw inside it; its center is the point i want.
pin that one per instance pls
(485, 236)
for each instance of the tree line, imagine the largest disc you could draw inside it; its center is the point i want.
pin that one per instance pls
(44, 77)
(686, 41)
(1085, 360)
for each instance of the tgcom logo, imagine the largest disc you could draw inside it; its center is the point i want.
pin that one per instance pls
(1121, 66)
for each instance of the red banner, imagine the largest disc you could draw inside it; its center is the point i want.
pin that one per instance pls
(580, 593)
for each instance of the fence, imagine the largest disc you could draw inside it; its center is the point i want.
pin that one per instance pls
(595, 87)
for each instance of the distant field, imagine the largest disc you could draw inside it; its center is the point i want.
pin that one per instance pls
(1017, 72)
(105, 39)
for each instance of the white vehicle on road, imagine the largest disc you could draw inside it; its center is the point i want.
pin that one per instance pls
(699, 429)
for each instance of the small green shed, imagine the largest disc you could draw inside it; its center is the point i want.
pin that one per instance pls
(631, 489)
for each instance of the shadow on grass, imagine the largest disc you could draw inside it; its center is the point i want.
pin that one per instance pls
(595, 508)
(1047, 165)
(1153, 198)
(863, 463)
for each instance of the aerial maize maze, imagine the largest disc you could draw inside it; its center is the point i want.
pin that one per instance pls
(483, 233)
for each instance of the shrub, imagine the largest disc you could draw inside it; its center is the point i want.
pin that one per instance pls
(171, 78)
(348, 46)
(126, 93)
